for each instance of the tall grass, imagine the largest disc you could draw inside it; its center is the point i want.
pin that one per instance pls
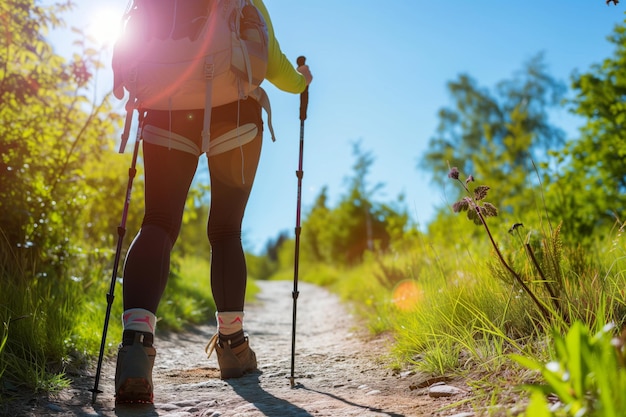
(4, 336)
(187, 298)
(52, 325)
(462, 307)
(33, 311)
(468, 316)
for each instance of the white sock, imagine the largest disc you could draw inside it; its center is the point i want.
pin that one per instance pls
(139, 320)
(229, 322)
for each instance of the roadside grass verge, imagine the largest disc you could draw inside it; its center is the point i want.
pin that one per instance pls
(52, 324)
(453, 310)
(470, 298)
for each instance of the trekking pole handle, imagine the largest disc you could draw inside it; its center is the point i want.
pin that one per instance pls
(304, 96)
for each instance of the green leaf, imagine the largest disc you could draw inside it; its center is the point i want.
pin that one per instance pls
(538, 406)
(574, 339)
(527, 362)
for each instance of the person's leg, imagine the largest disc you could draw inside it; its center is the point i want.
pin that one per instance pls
(167, 175)
(232, 171)
(232, 175)
(168, 172)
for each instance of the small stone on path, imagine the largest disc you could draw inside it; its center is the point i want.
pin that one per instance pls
(439, 391)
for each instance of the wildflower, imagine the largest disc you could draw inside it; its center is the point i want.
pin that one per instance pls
(469, 179)
(454, 173)
(553, 367)
(515, 226)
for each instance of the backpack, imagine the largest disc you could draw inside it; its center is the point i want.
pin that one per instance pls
(190, 54)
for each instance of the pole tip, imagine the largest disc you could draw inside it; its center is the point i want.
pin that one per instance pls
(94, 395)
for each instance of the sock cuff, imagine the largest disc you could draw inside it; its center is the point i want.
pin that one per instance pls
(229, 322)
(139, 319)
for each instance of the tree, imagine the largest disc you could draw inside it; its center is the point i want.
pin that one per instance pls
(58, 174)
(496, 136)
(590, 187)
(316, 232)
(357, 224)
(59, 180)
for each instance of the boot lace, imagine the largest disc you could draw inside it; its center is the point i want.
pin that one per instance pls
(210, 347)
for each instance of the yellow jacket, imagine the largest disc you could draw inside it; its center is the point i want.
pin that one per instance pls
(280, 71)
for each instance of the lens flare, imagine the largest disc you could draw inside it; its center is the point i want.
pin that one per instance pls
(105, 25)
(407, 294)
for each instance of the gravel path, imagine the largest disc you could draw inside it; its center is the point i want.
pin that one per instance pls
(339, 370)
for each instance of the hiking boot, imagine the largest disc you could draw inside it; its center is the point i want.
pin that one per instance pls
(133, 372)
(234, 359)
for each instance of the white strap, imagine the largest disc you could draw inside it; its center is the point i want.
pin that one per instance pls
(168, 139)
(208, 101)
(130, 108)
(262, 98)
(246, 59)
(232, 139)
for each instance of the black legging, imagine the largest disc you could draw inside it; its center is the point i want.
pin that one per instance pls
(168, 176)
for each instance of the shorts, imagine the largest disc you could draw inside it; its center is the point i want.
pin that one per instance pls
(232, 125)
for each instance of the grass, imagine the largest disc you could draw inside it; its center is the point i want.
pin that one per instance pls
(455, 310)
(456, 307)
(52, 325)
(35, 312)
(187, 297)
(466, 320)
(467, 323)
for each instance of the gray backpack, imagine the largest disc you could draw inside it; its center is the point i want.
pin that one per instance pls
(190, 54)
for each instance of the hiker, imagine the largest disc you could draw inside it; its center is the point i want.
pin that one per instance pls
(172, 144)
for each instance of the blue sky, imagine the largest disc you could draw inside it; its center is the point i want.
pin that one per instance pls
(380, 72)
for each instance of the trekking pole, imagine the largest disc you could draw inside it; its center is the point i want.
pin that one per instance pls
(121, 231)
(304, 102)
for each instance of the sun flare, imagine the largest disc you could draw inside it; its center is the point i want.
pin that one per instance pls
(407, 294)
(105, 25)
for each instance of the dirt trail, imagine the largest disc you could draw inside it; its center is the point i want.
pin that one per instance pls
(339, 369)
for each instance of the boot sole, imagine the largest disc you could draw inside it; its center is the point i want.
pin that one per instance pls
(231, 373)
(135, 390)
